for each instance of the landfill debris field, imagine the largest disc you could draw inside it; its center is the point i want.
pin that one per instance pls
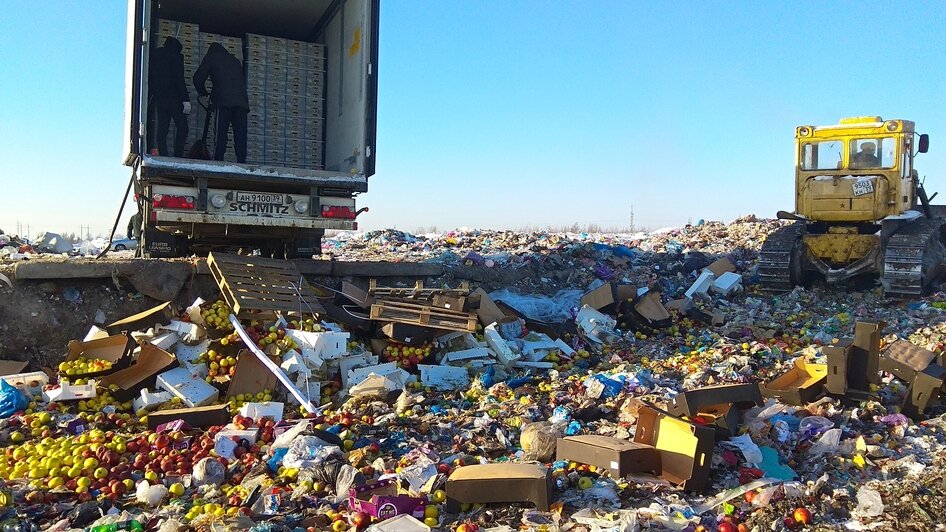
(544, 382)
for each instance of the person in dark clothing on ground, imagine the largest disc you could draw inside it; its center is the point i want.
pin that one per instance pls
(169, 95)
(229, 98)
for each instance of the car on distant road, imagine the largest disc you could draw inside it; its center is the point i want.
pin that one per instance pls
(121, 244)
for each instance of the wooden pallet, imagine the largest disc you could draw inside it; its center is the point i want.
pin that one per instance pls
(256, 287)
(423, 315)
(417, 293)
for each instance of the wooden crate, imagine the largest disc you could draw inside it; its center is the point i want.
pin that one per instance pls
(417, 293)
(423, 315)
(256, 287)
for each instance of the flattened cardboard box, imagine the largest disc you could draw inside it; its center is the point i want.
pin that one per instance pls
(686, 450)
(867, 335)
(201, 416)
(487, 483)
(608, 294)
(488, 311)
(152, 360)
(905, 359)
(924, 389)
(721, 266)
(799, 386)
(159, 315)
(652, 310)
(620, 457)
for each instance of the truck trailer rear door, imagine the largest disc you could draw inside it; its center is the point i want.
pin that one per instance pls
(351, 40)
(136, 42)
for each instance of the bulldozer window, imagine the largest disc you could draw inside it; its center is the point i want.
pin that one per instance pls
(873, 153)
(825, 155)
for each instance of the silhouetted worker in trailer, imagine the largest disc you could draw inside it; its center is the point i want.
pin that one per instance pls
(228, 98)
(169, 95)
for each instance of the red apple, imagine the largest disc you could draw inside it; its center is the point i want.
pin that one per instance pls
(802, 515)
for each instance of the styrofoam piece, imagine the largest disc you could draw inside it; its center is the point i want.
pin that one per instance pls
(499, 346)
(31, 382)
(379, 384)
(538, 349)
(95, 333)
(70, 392)
(193, 312)
(150, 400)
(443, 377)
(193, 391)
(356, 375)
(189, 332)
(523, 364)
(467, 354)
(270, 409)
(449, 337)
(597, 327)
(292, 362)
(322, 345)
(187, 354)
(701, 284)
(727, 283)
(347, 364)
(564, 348)
(165, 341)
(400, 523)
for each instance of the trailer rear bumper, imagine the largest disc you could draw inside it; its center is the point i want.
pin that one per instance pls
(163, 217)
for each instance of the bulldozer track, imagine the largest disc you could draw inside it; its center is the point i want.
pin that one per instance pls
(775, 258)
(914, 256)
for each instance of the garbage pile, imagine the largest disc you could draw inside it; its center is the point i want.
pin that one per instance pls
(628, 406)
(13, 247)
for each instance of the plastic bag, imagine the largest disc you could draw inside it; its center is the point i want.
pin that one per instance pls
(337, 476)
(209, 471)
(869, 503)
(308, 451)
(826, 444)
(606, 521)
(812, 426)
(11, 400)
(150, 495)
(539, 440)
(551, 309)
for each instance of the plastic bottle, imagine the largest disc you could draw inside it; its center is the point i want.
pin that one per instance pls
(134, 524)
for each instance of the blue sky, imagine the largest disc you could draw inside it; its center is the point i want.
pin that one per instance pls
(518, 113)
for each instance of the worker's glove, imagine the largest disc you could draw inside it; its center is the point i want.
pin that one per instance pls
(187, 108)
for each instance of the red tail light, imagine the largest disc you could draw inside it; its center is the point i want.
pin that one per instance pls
(167, 201)
(338, 211)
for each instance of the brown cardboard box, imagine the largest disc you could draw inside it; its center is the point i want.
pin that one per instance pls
(12, 367)
(448, 302)
(924, 389)
(499, 483)
(847, 368)
(352, 294)
(686, 450)
(867, 336)
(620, 457)
(721, 266)
(605, 296)
(406, 333)
(152, 360)
(202, 416)
(720, 406)
(905, 359)
(652, 310)
(159, 315)
(116, 349)
(488, 312)
(251, 376)
(801, 385)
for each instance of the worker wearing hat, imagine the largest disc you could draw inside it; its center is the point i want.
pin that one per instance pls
(866, 158)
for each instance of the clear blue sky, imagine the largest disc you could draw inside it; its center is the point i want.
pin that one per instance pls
(518, 113)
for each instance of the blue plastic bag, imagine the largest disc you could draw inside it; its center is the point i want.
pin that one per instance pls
(11, 400)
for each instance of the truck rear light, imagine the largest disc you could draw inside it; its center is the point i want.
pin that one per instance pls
(168, 201)
(338, 211)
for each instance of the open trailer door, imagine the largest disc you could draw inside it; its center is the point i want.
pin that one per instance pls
(136, 43)
(351, 41)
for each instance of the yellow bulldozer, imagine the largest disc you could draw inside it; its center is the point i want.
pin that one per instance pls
(860, 209)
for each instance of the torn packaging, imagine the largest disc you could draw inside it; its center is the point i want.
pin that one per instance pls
(651, 310)
(505, 482)
(128, 382)
(250, 376)
(620, 457)
(925, 389)
(800, 385)
(867, 335)
(487, 311)
(905, 360)
(719, 406)
(607, 296)
(381, 499)
(686, 449)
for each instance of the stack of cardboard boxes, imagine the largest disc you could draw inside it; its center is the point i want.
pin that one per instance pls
(189, 37)
(285, 83)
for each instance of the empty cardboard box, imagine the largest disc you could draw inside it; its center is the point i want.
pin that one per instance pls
(801, 385)
(487, 483)
(652, 310)
(620, 457)
(405, 333)
(606, 296)
(201, 416)
(152, 360)
(905, 359)
(847, 368)
(720, 406)
(721, 266)
(867, 336)
(686, 449)
(924, 389)
(159, 315)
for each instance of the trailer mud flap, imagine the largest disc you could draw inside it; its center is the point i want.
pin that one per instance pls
(159, 244)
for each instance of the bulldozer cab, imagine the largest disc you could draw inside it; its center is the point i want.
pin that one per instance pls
(860, 170)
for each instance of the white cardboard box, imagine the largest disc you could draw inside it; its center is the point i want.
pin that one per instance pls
(192, 390)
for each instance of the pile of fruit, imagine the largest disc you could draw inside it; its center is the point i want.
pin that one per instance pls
(217, 317)
(406, 356)
(84, 366)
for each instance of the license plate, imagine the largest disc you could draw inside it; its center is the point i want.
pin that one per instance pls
(863, 187)
(260, 197)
